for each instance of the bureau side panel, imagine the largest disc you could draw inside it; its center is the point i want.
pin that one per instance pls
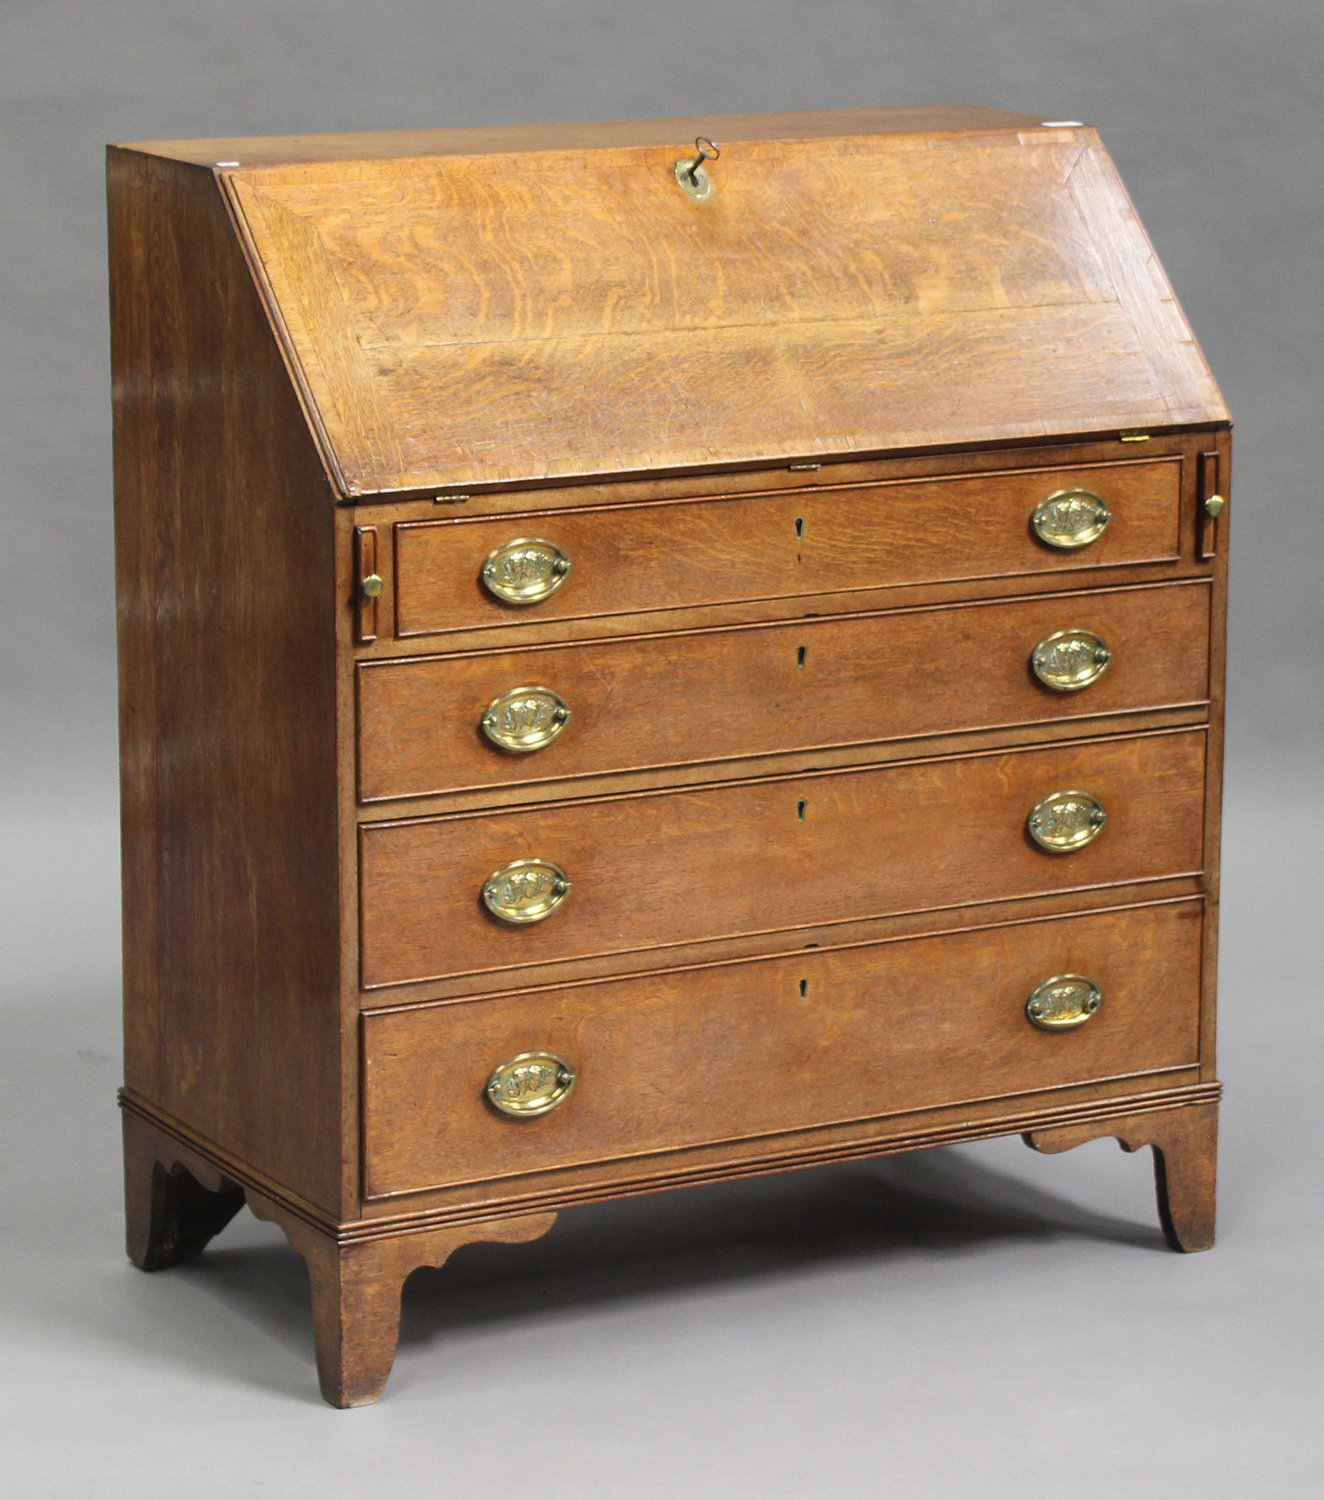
(226, 608)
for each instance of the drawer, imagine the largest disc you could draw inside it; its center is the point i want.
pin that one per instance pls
(737, 1051)
(711, 695)
(690, 865)
(826, 540)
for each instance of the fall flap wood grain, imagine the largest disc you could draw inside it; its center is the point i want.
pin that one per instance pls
(460, 319)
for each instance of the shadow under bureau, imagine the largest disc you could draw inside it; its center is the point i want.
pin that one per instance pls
(646, 661)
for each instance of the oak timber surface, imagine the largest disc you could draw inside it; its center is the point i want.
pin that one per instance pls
(679, 554)
(716, 695)
(696, 1056)
(490, 318)
(477, 140)
(228, 755)
(863, 844)
(834, 390)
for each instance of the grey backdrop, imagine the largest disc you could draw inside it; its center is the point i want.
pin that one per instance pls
(978, 1322)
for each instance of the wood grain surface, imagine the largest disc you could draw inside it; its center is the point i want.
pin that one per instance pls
(475, 318)
(356, 1291)
(674, 554)
(250, 152)
(723, 694)
(668, 1061)
(791, 437)
(685, 866)
(227, 651)
(1185, 1147)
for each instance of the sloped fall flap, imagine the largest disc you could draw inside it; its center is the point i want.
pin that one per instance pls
(500, 317)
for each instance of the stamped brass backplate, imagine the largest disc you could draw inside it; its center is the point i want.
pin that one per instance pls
(1070, 518)
(1064, 1001)
(525, 571)
(525, 719)
(531, 1084)
(1069, 660)
(1066, 821)
(526, 890)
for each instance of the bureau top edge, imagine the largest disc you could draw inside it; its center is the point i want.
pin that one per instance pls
(230, 153)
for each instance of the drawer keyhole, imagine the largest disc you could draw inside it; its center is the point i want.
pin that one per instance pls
(804, 988)
(800, 811)
(799, 527)
(800, 656)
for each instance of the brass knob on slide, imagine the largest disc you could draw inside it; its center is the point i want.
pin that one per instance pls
(526, 890)
(531, 1084)
(1066, 821)
(1068, 519)
(372, 585)
(525, 719)
(526, 570)
(1063, 1002)
(1070, 660)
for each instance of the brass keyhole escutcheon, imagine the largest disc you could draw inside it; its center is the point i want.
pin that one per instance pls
(529, 1085)
(1070, 660)
(1068, 519)
(526, 890)
(1066, 821)
(525, 571)
(1063, 1002)
(525, 719)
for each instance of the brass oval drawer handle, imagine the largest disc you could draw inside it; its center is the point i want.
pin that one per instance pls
(531, 1084)
(1063, 1002)
(525, 719)
(1069, 660)
(1066, 821)
(1071, 518)
(526, 570)
(526, 890)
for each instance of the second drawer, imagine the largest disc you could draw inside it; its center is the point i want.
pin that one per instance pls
(718, 695)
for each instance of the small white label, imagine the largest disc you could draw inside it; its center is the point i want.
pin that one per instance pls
(1047, 125)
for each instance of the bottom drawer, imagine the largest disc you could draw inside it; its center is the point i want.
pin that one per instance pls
(735, 1051)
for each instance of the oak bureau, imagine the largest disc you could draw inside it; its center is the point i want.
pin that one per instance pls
(651, 652)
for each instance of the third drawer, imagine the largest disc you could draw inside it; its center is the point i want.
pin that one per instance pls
(776, 854)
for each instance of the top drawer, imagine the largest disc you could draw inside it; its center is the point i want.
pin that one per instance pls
(677, 554)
